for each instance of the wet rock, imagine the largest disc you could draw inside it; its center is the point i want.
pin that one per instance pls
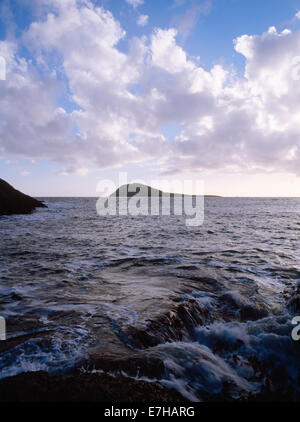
(134, 366)
(293, 303)
(13, 201)
(242, 309)
(10, 343)
(40, 386)
(175, 325)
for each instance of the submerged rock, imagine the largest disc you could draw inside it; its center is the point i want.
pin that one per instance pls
(40, 386)
(13, 201)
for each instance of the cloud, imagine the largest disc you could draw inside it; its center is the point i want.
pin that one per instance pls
(135, 3)
(142, 20)
(166, 54)
(120, 102)
(31, 122)
(80, 171)
(298, 15)
(97, 75)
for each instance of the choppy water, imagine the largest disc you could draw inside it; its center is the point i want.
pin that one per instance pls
(211, 303)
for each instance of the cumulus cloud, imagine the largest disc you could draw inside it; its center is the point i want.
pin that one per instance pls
(31, 123)
(97, 75)
(120, 102)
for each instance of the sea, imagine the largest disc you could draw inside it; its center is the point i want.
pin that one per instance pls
(206, 310)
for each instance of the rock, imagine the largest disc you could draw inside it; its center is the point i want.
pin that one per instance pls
(293, 303)
(13, 201)
(174, 325)
(40, 386)
(136, 365)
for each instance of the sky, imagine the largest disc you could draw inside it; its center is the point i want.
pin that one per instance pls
(170, 90)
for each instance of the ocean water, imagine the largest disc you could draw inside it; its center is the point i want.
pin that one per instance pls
(206, 310)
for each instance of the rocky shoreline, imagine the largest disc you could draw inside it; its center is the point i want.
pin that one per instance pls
(92, 387)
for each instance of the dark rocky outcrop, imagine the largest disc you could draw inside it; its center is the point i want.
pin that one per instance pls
(13, 201)
(174, 325)
(102, 388)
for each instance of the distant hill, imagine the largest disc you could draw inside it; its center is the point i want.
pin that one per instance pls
(134, 188)
(13, 201)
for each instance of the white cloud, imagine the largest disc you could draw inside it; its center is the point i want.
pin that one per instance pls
(97, 74)
(123, 100)
(135, 3)
(142, 20)
(31, 123)
(166, 54)
(298, 15)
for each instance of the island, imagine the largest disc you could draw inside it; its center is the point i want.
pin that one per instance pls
(132, 189)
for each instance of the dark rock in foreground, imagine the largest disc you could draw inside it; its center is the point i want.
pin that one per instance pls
(103, 388)
(13, 201)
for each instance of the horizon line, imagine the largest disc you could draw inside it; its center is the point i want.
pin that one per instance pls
(206, 195)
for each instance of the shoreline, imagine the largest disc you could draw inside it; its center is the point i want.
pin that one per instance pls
(88, 387)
